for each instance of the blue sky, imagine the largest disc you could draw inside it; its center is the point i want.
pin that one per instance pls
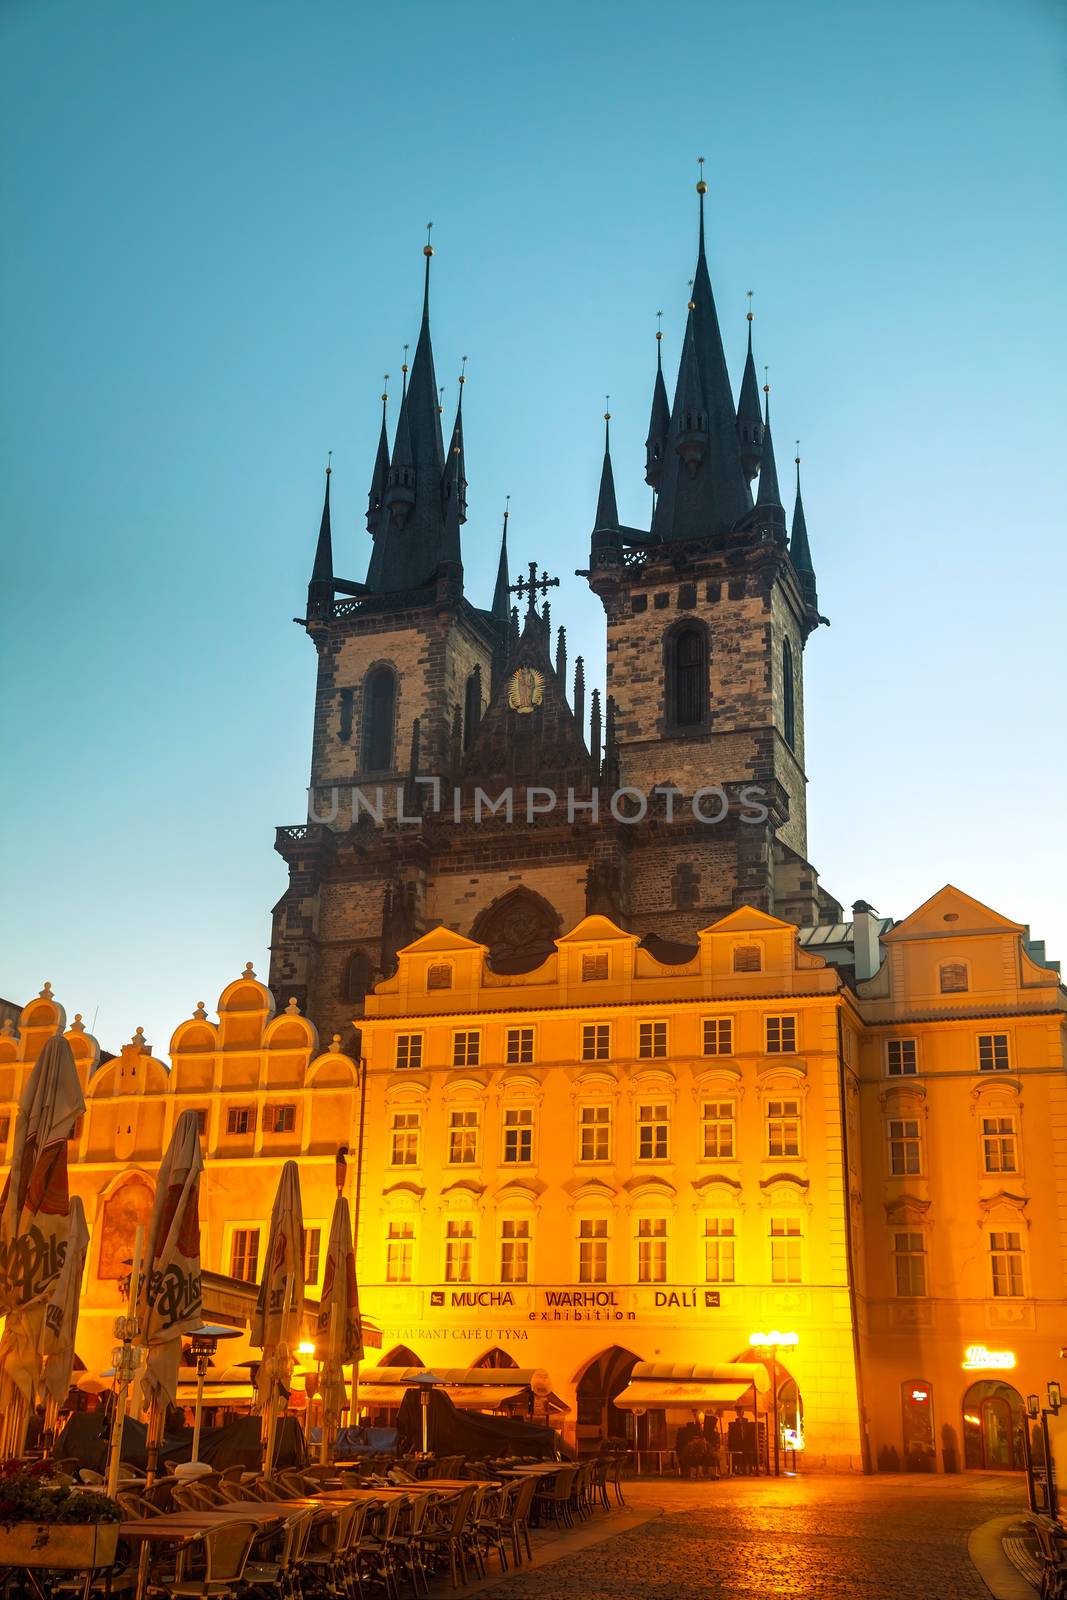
(214, 220)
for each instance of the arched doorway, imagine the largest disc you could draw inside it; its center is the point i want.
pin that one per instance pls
(994, 1420)
(789, 1405)
(605, 1377)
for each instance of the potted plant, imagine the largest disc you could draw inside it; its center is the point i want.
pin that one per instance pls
(48, 1524)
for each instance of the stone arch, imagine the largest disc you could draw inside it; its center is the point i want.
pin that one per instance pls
(495, 1358)
(357, 976)
(597, 1385)
(520, 929)
(686, 685)
(378, 730)
(401, 1355)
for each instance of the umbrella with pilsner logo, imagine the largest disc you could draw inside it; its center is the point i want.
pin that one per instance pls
(169, 1297)
(61, 1317)
(339, 1330)
(281, 1294)
(35, 1227)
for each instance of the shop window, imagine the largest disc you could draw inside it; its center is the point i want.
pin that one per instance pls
(463, 1138)
(917, 1411)
(459, 1251)
(652, 1133)
(718, 1036)
(596, 1041)
(993, 1052)
(515, 1250)
(998, 1144)
(409, 1051)
(719, 1119)
(312, 1243)
(1006, 1265)
(719, 1247)
(783, 1128)
(952, 976)
(406, 1131)
(399, 1252)
(520, 1047)
(909, 1261)
(905, 1152)
(593, 1250)
(518, 1134)
(594, 1133)
(652, 1250)
(651, 1040)
(748, 958)
(781, 1035)
(901, 1058)
(466, 1049)
(244, 1254)
(786, 1263)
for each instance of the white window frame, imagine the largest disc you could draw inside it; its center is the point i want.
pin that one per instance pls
(720, 1240)
(594, 1249)
(906, 1250)
(718, 1120)
(716, 1029)
(651, 1241)
(784, 1024)
(400, 1261)
(1007, 1254)
(652, 1039)
(653, 1120)
(410, 1048)
(596, 1041)
(786, 1231)
(595, 1130)
(1000, 1137)
(776, 1113)
(525, 1123)
(467, 1047)
(901, 1057)
(999, 1046)
(458, 1140)
(515, 1247)
(523, 1039)
(461, 1243)
(396, 1127)
(904, 1141)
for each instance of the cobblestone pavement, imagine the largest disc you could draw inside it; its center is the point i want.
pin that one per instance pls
(901, 1538)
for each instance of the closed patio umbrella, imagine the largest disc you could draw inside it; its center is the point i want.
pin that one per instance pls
(339, 1328)
(281, 1293)
(35, 1227)
(61, 1317)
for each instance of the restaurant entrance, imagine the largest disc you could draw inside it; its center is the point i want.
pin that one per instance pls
(994, 1420)
(606, 1376)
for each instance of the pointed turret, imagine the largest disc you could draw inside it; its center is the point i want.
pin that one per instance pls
(659, 424)
(770, 514)
(800, 550)
(456, 451)
(703, 490)
(411, 539)
(606, 527)
(749, 421)
(320, 589)
(453, 487)
(380, 476)
(500, 610)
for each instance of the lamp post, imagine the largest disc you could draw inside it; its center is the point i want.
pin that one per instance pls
(1033, 1410)
(770, 1343)
(1051, 1410)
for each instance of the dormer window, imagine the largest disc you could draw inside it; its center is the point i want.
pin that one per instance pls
(439, 976)
(953, 975)
(748, 958)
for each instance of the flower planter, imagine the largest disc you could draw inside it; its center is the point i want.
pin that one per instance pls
(71, 1545)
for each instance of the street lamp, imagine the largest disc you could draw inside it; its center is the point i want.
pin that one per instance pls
(771, 1343)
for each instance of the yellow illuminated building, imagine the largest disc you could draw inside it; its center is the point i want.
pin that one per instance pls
(609, 1160)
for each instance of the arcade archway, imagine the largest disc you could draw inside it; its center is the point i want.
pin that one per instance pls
(604, 1378)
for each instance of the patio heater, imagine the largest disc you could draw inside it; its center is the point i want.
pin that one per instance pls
(203, 1342)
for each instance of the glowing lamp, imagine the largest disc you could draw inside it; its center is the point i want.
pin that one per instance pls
(1033, 1406)
(774, 1337)
(305, 1349)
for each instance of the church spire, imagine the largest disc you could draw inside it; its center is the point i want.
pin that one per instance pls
(500, 611)
(769, 492)
(660, 420)
(380, 475)
(320, 589)
(703, 489)
(411, 540)
(749, 421)
(606, 526)
(456, 451)
(800, 550)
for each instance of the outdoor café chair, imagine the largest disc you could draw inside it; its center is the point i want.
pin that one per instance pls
(598, 1483)
(323, 1563)
(516, 1516)
(135, 1505)
(445, 1538)
(276, 1572)
(297, 1483)
(197, 1497)
(613, 1476)
(378, 1546)
(554, 1500)
(226, 1547)
(403, 1541)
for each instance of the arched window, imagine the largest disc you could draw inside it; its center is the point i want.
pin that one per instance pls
(379, 710)
(357, 976)
(687, 678)
(472, 706)
(789, 713)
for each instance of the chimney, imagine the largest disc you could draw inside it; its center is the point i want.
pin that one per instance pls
(865, 944)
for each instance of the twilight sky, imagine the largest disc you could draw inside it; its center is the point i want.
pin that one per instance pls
(214, 218)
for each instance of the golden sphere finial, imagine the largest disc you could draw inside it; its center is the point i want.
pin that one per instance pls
(427, 248)
(702, 187)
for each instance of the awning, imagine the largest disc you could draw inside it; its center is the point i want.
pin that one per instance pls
(661, 1385)
(217, 1394)
(535, 1378)
(465, 1397)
